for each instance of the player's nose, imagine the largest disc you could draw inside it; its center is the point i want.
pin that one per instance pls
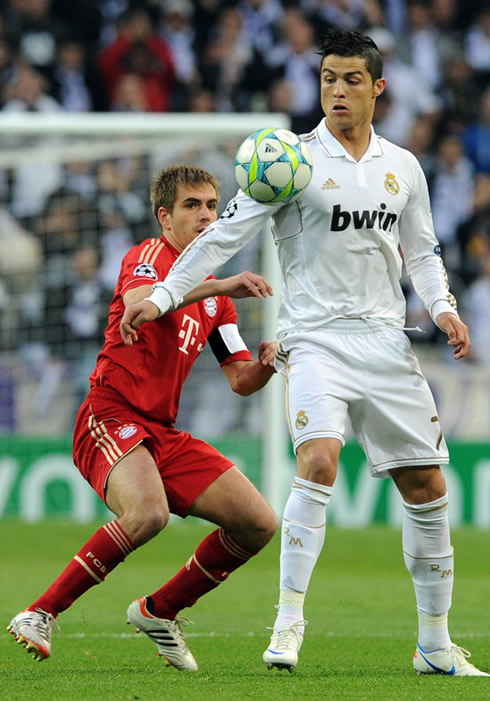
(339, 88)
(205, 212)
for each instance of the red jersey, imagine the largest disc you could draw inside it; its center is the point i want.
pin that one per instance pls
(150, 374)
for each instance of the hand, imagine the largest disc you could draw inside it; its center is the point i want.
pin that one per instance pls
(457, 331)
(245, 285)
(135, 315)
(267, 352)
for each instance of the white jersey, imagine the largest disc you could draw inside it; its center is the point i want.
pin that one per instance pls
(339, 244)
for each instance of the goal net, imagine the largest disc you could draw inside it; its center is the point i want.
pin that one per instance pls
(74, 197)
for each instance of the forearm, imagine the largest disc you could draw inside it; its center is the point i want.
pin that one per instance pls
(207, 288)
(429, 279)
(252, 377)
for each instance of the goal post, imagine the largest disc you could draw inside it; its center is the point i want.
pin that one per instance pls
(83, 180)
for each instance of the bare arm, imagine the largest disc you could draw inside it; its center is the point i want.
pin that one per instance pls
(139, 310)
(246, 377)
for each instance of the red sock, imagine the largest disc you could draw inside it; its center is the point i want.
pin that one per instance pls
(216, 557)
(99, 556)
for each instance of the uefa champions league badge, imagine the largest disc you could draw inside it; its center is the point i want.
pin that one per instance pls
(145, 270)
(126, 431)
(301, 420)
(210, 306)
(391, 184)
(437, 250)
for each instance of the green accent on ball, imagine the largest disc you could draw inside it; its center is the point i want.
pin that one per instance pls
(285, 193)
(254, 168)
(262, 134)
(292, 155)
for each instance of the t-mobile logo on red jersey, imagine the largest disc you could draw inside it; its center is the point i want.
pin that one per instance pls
(188, 332)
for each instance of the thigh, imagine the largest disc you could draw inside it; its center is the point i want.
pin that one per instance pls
(134, 485)
(397, 424)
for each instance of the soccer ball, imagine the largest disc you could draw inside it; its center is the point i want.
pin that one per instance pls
(273, 165)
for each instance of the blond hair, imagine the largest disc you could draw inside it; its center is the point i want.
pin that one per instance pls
(164, 187)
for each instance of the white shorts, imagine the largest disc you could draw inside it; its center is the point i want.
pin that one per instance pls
(371, 375)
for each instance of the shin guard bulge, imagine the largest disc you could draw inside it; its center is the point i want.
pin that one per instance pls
(428, 554)
(303, 533)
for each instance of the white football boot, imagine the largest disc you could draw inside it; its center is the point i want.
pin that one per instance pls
(452, 661)
(166, 633)
(284, 647)
(33, 629)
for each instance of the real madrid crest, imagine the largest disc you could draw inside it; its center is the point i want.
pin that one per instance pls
(301, 420)
(391, 184)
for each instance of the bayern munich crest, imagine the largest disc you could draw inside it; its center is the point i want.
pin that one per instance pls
(210, 306)
(127, 432)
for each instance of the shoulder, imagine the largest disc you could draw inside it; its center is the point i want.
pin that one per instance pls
(398, 152)
(148, 257)
(309, 138)
(147, 250)
(400, 156)
(226, 312)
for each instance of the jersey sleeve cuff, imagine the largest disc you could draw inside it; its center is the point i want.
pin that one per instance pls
(163, 299)
(440, 307)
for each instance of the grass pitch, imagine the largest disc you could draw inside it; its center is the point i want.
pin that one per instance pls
(358, 645)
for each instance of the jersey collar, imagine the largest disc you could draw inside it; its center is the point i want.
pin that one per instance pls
(335, 149)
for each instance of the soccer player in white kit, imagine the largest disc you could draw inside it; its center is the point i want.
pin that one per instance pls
(342, 348)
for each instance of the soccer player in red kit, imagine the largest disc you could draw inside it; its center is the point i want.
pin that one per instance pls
(126, 446)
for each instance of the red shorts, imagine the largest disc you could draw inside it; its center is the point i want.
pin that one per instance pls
(107, 429)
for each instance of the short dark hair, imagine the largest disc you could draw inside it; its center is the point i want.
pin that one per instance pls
(342, 42)
(164, 187)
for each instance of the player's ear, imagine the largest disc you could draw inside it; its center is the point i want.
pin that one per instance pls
(164, 218)
(379, 87)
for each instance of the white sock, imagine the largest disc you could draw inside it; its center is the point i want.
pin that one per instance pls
(429, 558)
(433, 631)
(303, 534)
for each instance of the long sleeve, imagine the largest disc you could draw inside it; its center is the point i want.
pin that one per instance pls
(240, 222)
(422, 252)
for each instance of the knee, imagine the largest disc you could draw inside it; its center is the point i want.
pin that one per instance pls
(269, 526)
(420, 485)
(317, 465)
(145, 523)
(255, 531)
(265, 528)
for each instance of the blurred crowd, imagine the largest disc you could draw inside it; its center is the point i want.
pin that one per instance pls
(223, 56)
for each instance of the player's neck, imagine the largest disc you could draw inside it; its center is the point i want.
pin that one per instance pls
(355, 140)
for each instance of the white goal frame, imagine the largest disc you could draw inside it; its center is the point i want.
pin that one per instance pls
(276, 466)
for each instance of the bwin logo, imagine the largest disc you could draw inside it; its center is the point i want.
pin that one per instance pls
(341, 219)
